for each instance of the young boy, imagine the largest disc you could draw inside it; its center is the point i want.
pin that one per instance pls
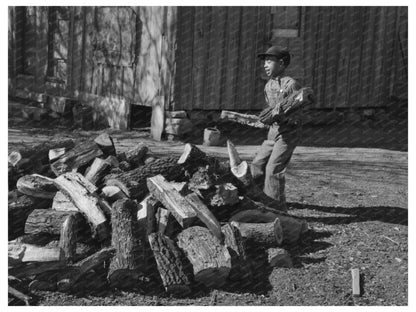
(274, 154)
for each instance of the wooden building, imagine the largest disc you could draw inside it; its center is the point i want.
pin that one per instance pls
(203, 58)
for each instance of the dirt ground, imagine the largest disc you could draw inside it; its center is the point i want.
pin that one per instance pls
(350, 184)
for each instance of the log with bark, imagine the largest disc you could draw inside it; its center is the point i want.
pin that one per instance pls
(77, 158)
(19, 253)
(225, 195)
(133, 183)
(240, 266)
(172, 200)
(19, 208)
(244, 119)
(80, 191)
(172, 269)
(112, 193)
(106, 144)
(135, 157)
(98, 170)
(79, 269)
(127, 265)
(261, 234)
(71, 231)
(279, 258)
(210, 260)
(37, 186)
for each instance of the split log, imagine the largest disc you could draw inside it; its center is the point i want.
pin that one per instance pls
(205, 215)
(14, 158)
(81, 155)
(261, 234)
(79, 190)
(172, 270)
(40, 152)
(279, 258)
(33, 268)
(126, 266)
(20, 253)
(170, 198)
(192, 158)
(98, 170)
(37, 186)
(106, 144)
(71, 228)
(210, 259)
(133, 183)
(292, 227)
(55, 153)
(76, 271)
(135, 157)
(244, 119)
(112, 193)
(202, 179)
(62, 203)
(19, 208)
(240, 265)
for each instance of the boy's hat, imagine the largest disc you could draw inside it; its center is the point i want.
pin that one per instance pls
(276, 51)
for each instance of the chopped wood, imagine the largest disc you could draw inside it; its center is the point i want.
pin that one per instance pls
(19, 295)
(243, 174)
(72, 225)
(106, 144)
(78, 189)
(279, 258)
(112, 160)
(20, 253)
(240, 266)
(170, 198)
(205, 215)
(36, 185)
(62, 203)
(202, 179)
(244, 119)
(124, 165)
(210, 260)
(233, 154)
(172, 270)
(42, 285)
(18, 211)
(162, 218)
(14, 158)
(81, 155)
(261, 234)
(133, 183)
(112, 193)
(127, 264)
(80, 268)
(55, 153)
(98, 170)
(292, 227)
(356, 290)
(176, 114)
(33, 268)
(135, 157)
(225, 195)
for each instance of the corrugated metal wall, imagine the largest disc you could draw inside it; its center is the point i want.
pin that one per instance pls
(354, 56)
(216, 64)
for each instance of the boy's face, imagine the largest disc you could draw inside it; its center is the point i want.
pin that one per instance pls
(273, 66)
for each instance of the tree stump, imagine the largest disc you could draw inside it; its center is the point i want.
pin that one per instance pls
(210, 259)
(172, 270)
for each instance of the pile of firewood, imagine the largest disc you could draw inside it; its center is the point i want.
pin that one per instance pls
(79, 208)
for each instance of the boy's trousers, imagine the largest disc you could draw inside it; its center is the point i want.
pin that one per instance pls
(270, 162)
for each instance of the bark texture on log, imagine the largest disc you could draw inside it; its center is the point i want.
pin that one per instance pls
(135, 157)
(210, 259)
(240, 265)
(37, 186)
(172, 270)
(112, 193)
(133, 183)
(279, 258)
(261, 234)
(172, 200)
(72, 225)
(127, 264)
(78, 189)
(80, 156)
(82, 267)
(19, 208)
(34, 268)
(244, 119)
(20, 253)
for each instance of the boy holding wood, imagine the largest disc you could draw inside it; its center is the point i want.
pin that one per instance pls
(285, 101)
